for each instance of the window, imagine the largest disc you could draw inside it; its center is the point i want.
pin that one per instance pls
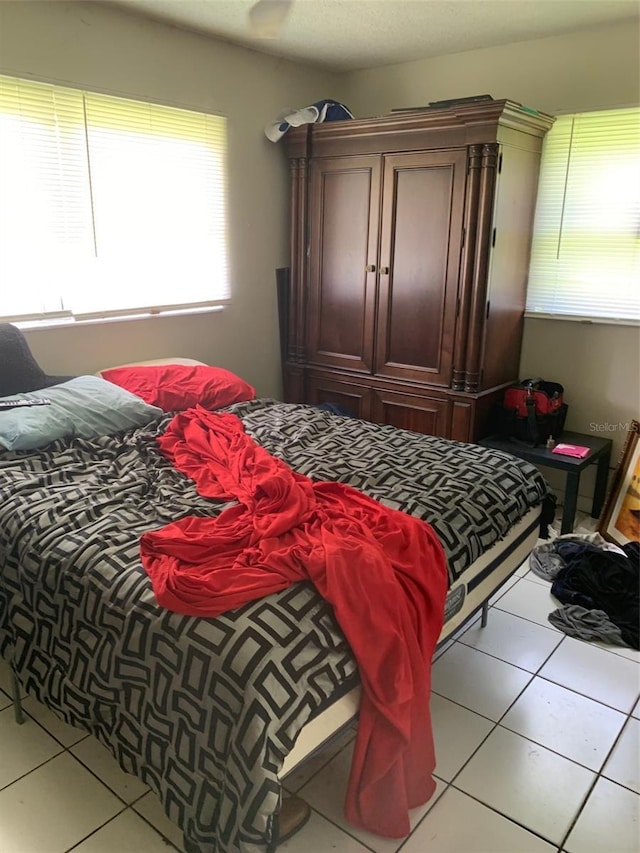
(585, 258)
(108, 206)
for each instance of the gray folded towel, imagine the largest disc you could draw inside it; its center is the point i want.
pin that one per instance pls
(586, 624)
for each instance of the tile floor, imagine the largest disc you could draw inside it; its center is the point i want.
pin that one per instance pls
(537, 737)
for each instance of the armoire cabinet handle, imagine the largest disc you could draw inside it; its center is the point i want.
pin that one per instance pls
(384, 270)
(370, 268)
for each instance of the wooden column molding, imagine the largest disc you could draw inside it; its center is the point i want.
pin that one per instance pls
(466, 268)
(297, 308)
(481, 266)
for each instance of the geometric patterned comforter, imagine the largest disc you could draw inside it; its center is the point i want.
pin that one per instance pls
(204, 711)
(470, 496)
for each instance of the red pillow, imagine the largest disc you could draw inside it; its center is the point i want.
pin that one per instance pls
(174, 387)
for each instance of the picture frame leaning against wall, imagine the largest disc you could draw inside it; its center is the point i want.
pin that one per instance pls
(620, 520)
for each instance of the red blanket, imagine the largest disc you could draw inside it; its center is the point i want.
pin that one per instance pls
(383, 571)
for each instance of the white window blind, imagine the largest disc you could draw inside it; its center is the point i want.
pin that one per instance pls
(108, 206)
(585, 257)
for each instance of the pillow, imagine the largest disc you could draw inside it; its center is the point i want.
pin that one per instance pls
(86, 406)
(175, 387)
(166, 360)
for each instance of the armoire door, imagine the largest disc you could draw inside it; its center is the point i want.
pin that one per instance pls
(420, 247)
(344, 214)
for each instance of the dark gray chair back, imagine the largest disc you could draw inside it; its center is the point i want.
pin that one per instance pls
(19, 371)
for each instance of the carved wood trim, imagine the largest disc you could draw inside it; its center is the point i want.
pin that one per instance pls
(457, 126)
(298, 239)
(481, 266)
(283, 293)
(293, 382)
(461, 420)
(466, 268)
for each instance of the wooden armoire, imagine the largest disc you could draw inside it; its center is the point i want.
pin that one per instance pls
(410, 243)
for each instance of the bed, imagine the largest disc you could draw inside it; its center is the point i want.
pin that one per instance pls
(212, 713)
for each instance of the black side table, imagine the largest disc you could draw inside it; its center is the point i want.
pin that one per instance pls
(599, 452)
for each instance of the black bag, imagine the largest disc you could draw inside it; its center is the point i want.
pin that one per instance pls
(533, 411)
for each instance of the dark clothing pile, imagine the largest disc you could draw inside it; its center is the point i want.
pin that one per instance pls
(599, 585)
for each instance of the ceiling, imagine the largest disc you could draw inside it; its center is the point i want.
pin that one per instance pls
(353, 34)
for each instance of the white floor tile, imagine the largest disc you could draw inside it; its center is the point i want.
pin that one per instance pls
(506, 586)
(527, 783)
(609, 822)
(100, 761)
(522, 570)
(443, 648)
(6, 684)
(636, 711)
(5, 700)
(625, 652)
(326, 793)
(57, 728)
(621, 651)
(623, 765)
(67, 800)
(301, 775)
(126, 833)
(547, 713)
(530, 576)
(582, 667)
(5, 676)
(459, 824)
(531, 601)
(460, 631)
(320, 836)
(477, 681)
(150, 808)
(513, 640)
(22, 748)
(457, 733)
(585, 523)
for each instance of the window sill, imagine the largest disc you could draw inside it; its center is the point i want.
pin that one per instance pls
(587, 321)
(66, 322)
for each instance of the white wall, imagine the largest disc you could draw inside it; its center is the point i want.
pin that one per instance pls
(599, 366)
(97, 47)
(588, 70)
(595, 69)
